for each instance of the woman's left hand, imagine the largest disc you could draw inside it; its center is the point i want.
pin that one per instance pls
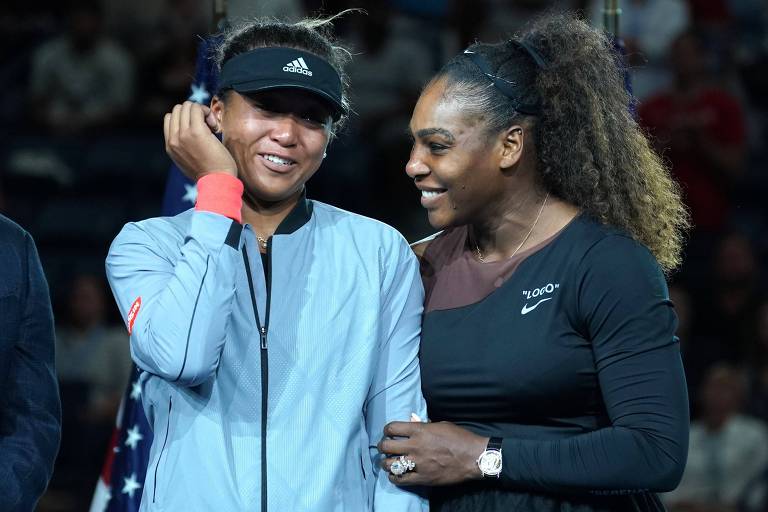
(444, 453)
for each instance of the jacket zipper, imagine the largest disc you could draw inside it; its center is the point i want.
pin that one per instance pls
(263, 330)
(162, 450)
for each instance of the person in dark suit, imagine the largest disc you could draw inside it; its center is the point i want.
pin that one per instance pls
(30, 412)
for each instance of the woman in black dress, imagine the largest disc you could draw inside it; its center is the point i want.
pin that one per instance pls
(552, 374)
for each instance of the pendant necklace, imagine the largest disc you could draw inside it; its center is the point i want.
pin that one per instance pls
(477, 247)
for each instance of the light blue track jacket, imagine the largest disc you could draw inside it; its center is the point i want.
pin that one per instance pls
(269, 393)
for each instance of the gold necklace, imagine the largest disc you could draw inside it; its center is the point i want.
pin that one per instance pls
(262, 241)
(477, 247)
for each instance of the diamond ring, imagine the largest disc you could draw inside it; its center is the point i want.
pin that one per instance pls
(402, 465)
(408, 463)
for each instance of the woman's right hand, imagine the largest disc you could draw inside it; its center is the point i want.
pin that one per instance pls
(190, 141)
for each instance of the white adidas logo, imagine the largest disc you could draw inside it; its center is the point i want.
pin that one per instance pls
(298, 66)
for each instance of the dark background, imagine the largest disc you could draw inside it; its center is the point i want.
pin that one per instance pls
(82, 156)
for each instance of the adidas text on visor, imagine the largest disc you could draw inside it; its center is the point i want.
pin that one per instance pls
(262, 69)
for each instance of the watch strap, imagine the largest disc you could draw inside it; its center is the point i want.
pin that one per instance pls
(494, 443)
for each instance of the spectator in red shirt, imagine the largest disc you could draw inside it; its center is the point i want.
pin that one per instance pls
(700, 128)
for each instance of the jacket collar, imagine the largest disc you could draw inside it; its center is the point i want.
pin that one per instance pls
(299, 216)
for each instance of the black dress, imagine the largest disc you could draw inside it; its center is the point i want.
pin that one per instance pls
(568, 353)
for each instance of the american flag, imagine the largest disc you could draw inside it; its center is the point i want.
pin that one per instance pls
(121, 483)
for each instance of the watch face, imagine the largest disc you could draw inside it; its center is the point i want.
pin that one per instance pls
(490, 462)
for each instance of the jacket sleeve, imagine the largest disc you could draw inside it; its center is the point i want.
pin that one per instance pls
(624, 307)
(395, 392)
(176, 309)
(30, 411)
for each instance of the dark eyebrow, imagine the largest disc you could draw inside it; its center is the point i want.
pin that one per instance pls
(426, 132)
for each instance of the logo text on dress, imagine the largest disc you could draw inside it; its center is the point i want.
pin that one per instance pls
(543, 292)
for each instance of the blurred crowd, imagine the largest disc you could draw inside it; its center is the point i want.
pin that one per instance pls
(86, 84)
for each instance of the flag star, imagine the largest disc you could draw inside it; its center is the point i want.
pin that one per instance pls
(191, 193)
(199, 93)
(131, 485)
(134, 436)
(135, 390)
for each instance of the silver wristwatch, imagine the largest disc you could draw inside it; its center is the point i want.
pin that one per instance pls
(489, 461)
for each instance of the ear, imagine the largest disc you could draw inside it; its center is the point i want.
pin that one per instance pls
(511, 146)
(217, 111)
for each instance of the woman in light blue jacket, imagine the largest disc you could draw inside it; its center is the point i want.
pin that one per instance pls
(277, 335)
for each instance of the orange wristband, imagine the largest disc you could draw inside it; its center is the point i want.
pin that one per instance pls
(220, 193)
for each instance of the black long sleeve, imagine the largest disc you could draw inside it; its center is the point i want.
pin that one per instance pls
(567, 352)
(629, 320)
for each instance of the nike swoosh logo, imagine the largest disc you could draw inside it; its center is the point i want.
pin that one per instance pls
(527, 309)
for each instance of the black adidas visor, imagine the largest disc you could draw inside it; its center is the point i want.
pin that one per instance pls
(264, 69)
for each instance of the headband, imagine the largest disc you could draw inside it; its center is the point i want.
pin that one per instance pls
(507, 87)
(263, 69)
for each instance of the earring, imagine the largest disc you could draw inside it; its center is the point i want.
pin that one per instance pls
(325, 154)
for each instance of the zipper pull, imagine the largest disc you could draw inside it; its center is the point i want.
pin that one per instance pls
(264, 338)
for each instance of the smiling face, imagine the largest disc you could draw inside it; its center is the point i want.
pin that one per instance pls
(277, 139)
(459, 166)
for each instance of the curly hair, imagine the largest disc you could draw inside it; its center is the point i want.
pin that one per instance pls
(313, 35)
(591, 151)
